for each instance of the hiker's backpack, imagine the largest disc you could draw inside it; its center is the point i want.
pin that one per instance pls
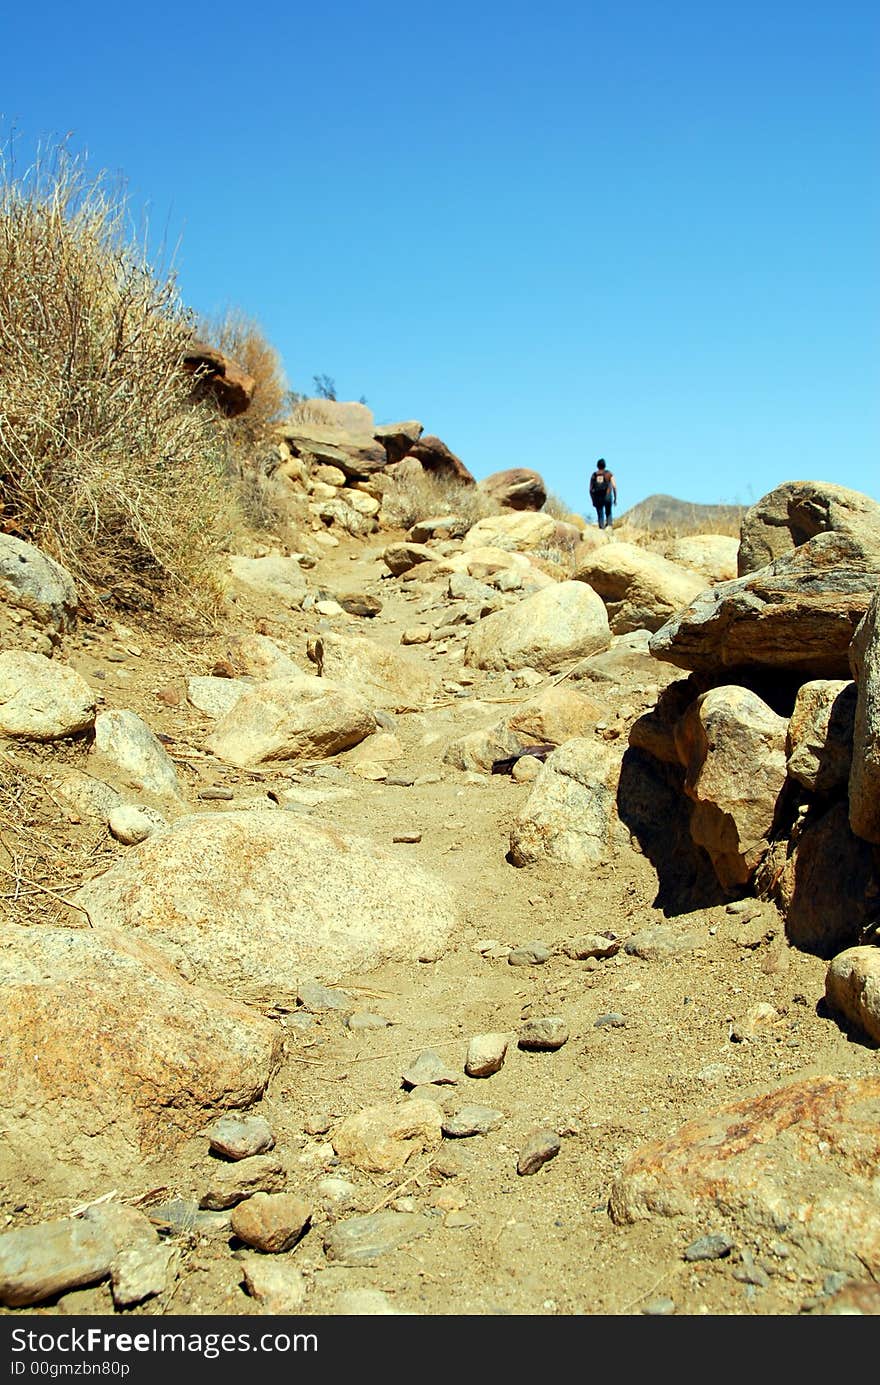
(600, 485)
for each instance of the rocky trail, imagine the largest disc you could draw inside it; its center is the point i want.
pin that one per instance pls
(450, 1132)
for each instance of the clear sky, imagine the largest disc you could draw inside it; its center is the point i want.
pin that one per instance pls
(634, 229)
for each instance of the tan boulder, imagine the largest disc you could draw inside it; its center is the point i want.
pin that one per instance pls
(864, 778)
(380, 1139)
(798, 614)
(127, 749)
(852, 988)
(713, 555)
(400, 557)
(641, 589)
(828, 880)
(521, 530)
(516, 488)
(546, 630)
(570, 815)
(278, 578)
(389, 678)
(258, 902)
(796, 512)
(300, 718)
(258, 656)
(42, 700)
(732, 746)
(800, 1157)
(108, 1056)
(820, 735)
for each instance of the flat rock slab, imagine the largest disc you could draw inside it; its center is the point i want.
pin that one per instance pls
(382, 1138)
(38, 1262)
(799, 1161)
(363, 1240)
(472, 1120)
(256, 903)
(230, 1184)
(664, 940)
(429, 1067)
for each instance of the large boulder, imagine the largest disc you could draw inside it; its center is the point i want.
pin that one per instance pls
(521, 531)
(33, 582)
(301, 718)
(796, 512)
(798, 614)
(852, 989)
(436, 457)
(828, 883)
(42, 700)
(864, 778)
(799, 1161)
(256, 903)
(108, 1056)
(131, 751)
(279, 578)
(517, 488)
(338, 433)
(398, 438)
(714, 555)
(563, 622)
(820, 735)
(570, 815)
(554, 715)
(641, 589)
(386, 678)
(218, 377)
(732, 747)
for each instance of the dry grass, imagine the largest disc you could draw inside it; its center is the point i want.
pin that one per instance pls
(413, 495)
(104, 461)
(41, 863)
(243, 339)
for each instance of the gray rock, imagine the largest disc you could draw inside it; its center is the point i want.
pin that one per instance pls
(664, 940)
(363, 1240)
(429, 1067)
(130, 824)
(611, 1020)
(34, 582)
(123, 739)
(38, 1262)
(364, 1019)
(141, 1272)
(316, 998)
(547, 1033)
(238, 1137)
(281, 1288)
(713, 1247)
(531, 954)
(472, 1120)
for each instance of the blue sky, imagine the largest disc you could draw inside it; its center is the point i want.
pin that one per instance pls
(639, 230)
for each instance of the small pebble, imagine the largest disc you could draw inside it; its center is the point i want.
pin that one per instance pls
(429, 1067)
(217, 793)
(314, 998)
(408, 837)
(364, 1019)
(472, 1120)
(271, 1222)
(611, 1020)
(239, 1137)
(531, 954)
(537, 1149)
(659, 1308)
(486, 1054)
(547, 1033)
(713, 1247)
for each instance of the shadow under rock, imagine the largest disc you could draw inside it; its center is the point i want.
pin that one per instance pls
(652, 804)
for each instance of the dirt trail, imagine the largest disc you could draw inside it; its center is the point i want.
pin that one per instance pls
(499, 1243)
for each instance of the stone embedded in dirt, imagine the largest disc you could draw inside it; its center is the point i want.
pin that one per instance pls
(181, 1216)
(852, 988)
(853, 1300)
(400, 557)
(229, 1184)
(472, 1120)
(279, 578)
(216, 793)
(38, 1262)
(359, 604)
(532, 954)
(279, 1287)
(130, 824)
(801, 1155)
(376, 749)
(591, 945)
(294, 718)
(711, 1247)
(42, 699)
(388, 678)
(382, 1138)
(141, 1272)
(429, 1067)
(328, 608)
(611, 1020)
(316, 998)
(417, 634)
(362, 1240)
(548, 1032)
(755, 1023)
(486, 1054)
(115, 1055)
(271, 1222)
(216, 696)
(526, 769)
(661, 941)
(408, 838)
(328, 903)
(400, 781)
(659, 1308)
(538, 1147)
(238, 1137)
(32, 581)
(359, 1020)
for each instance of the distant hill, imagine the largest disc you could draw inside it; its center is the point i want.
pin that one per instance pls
(683, 516)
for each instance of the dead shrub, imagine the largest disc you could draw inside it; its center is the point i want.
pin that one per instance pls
(412, 494)
(105, 462)
(243, 339)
